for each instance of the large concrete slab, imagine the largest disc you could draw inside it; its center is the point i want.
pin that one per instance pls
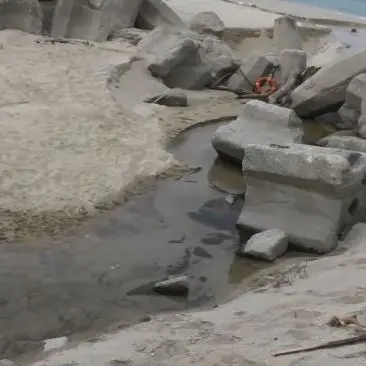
(311, 193)
(93, 20)
(25, 15)
(327, 88)
(258, 122)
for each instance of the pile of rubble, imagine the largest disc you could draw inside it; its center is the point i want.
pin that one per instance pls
(308, 196)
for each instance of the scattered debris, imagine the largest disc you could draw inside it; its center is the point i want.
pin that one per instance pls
(172, 98)
(267, 245)
(332, 344)
(173, 286)
(344, 321)
(288, 277)
(258, 122)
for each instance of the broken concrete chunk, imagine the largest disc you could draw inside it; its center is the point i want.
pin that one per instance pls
(207, 22)
(248, 73)
(311, 193)
(25, 15)
(172, 98)
(326, 90)
(54, 343)
(286, 34)
(267, 245)
(292, 62)
(92, 20)
(174, 286)
(344, 142)
(257, 122)
(348, 117)
(156, 13)
(184, 59)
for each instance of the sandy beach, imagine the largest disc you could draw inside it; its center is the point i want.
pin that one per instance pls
(79, 141)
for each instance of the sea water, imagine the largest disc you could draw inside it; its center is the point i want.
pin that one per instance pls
(355, 7)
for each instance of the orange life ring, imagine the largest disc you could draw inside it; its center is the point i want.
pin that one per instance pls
(261, 82)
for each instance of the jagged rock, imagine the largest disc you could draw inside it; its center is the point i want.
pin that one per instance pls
(184, 59)
(258, 122)
(326, 90)
(93, 20)
(207, 22)
(25, 15)
(267, 245)
(351, 109)
(174, 286)
(172, 98)
(292, 64)
(344, 142)
(155, 13)
(251, 69)
(286, 34)
(311, 193)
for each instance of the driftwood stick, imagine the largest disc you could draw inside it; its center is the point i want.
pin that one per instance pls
(331, 344)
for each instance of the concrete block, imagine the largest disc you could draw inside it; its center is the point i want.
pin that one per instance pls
(311, 193)
(326, 90)
(207, 22)
(260, 123)
(286, 34)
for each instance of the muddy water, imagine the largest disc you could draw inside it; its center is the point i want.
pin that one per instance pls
(103, 275)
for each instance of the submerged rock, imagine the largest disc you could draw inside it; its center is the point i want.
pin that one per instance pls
(267, 245)
(207, 22)
(258, 122)
(175, 286)
(311, 193)
(25, 15)
(326, 90)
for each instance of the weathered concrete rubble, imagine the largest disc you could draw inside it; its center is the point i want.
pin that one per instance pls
(344, 142)
(311, 193)
(326, 90)
(185, 59)
(286, 34)
(351, 109)
(156, 13)
(260, 123)
(207, 22)
(93, 20)
(25, 15)
(267, 245)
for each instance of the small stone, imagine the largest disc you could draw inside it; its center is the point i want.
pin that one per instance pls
(174, 286)
(54, 343)
(230, 198)
(145, 319)
(172, 98)
(267, 245)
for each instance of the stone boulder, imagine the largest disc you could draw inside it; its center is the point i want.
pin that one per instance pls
(267, 245)
(326, 90)
(207, 22)
(25, 15)
(258, 122)
(286, 34)
(251, 69)
(185, 59)
(93, 20)
(156, 13)
(311, 193)
(344, 142)
(351, 109)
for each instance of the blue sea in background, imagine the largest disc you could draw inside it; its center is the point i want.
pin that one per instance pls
(355, 7)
